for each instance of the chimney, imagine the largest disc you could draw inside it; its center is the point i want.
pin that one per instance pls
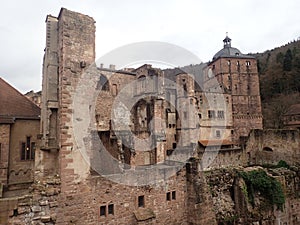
(112, 67)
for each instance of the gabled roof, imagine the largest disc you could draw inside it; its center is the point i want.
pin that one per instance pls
(13, 104)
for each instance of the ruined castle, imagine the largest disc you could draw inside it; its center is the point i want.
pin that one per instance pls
(129, 146)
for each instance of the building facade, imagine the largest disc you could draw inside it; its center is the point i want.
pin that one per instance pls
(128, 146)
(149, 121)
(19, 129)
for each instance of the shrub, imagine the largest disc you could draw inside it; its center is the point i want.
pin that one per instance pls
(269, 187)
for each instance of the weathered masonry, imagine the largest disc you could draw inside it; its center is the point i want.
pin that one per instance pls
(123, 181)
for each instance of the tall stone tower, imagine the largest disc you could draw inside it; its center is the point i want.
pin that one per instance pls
(186, 124)
(70, 49)
(237, 76)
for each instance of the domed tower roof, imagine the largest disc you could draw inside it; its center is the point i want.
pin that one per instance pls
(228, 51)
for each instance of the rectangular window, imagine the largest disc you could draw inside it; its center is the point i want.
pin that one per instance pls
(103, 210)
(173, 195)
(211, 114)
(23, 151)
(168, 196)
(141, 201)
(221, 114)
(27, 149)
(174, 145)
(218, 134)
(111, 209)
(32, 150)
(27, 142)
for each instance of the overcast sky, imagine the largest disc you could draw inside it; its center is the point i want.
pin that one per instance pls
(196, 25)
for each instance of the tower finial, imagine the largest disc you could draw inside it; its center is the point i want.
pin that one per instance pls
(227, 41)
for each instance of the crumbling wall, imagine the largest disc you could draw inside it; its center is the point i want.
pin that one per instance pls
(271, 146)
(232, 206)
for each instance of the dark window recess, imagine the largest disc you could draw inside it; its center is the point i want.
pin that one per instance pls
(111, 209)
(173, 195)
(184, 90)
(114, 90)
(27, 149)
(27, 142)
(174, 145)
(169, 152)
(201, 100)
(188, 167)
(221, 114)
(103, 210)
(141, 201)
(15, 213)
(218, 134)
(168, 196)
(211, 114)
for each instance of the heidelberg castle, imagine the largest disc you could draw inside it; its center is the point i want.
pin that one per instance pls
(144, 165)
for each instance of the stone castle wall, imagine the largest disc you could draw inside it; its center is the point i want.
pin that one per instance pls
(271, 146)
(78, 195)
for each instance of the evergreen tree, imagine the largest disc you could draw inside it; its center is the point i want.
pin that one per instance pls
(287, 61)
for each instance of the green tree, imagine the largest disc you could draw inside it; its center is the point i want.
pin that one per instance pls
(279, 58)
(287, 61)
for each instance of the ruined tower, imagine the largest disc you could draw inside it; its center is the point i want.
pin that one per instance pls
(70, 49)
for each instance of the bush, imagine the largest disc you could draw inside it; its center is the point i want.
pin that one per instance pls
(269, 187)
(280, 164)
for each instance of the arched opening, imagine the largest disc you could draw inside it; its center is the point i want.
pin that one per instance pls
(267, 149)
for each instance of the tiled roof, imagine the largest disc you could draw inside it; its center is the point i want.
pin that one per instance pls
(215, 142)
(14, 104)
